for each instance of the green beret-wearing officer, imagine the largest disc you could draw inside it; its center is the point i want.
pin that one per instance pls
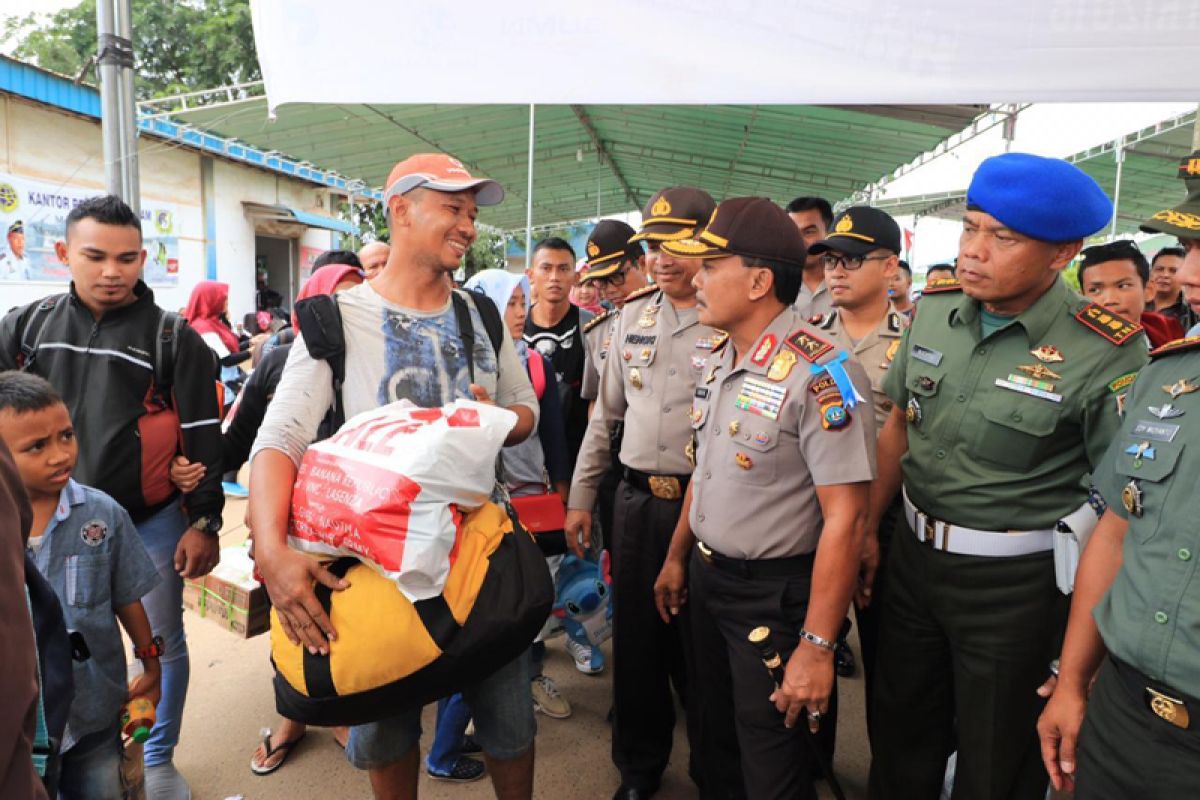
(860, 258)
(657, 353)
(1137, 593)
(1007, 391)
(785, 452)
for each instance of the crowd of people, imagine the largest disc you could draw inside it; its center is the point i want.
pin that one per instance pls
(742, 403)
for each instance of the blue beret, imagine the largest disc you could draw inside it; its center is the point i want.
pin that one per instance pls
(1046, 198)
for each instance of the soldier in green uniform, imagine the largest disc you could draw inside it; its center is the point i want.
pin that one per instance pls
(1007, 389)
(860, 258)
(1137, 594)
(785, 451)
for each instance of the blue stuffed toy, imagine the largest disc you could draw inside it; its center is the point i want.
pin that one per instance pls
(584, 603)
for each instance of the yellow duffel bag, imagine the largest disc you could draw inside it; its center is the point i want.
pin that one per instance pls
(392, 654)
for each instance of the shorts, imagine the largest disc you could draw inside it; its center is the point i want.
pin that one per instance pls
(501, 705)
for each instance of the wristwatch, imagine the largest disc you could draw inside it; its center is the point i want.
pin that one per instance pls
(209, 523)
(153, 650)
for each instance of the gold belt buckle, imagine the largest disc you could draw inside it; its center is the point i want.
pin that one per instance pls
(705, 551)
(665, 487)
(930, 530)
(1167, 708)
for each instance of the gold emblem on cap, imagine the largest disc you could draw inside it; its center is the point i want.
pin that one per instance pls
(593, 249)
(661, 207)
(845, 224)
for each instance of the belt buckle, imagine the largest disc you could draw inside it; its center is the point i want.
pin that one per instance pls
(705, 551)
(1167, 708)
(665, 487)
(929, 524)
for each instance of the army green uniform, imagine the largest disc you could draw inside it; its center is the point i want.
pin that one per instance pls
(875, 352)
(1141, 735)
(1003, 432)
(656, 355)
(769, 431)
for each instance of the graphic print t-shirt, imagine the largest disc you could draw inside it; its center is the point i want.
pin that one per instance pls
(564, 345)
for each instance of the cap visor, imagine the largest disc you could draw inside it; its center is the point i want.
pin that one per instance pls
(487, 191)
(692, 248)
(662, 232)
(844, 244)
(602, 271)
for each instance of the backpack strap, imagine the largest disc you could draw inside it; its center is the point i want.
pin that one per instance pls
(488, 314)
(493, 323)
(35, 326)
(537, 373)
(466, 330)
(166, 345)
(321, 326)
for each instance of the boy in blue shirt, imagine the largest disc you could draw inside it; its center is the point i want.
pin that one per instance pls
(87, 548)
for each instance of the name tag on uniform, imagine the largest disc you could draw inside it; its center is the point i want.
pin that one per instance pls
(639, 339)
(760, 397)
(1158, 431)
(926, 354)
(1029, 390)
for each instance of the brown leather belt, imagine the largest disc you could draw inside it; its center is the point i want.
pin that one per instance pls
(664, 487)
(1166, 704)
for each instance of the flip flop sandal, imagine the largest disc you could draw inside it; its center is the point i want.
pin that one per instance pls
(285, 748)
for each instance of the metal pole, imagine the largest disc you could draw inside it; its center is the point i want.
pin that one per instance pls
(1196, 130)
(529, 195)
(110, 100)
(130, 180)
(1119, 152)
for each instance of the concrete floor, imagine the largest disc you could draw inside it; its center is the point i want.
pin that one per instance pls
(230, 699)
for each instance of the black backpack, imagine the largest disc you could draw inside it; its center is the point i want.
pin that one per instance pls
(321, 325)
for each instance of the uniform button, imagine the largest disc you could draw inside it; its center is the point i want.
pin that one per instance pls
(1016, 415)
(701, 518)
(940, 454)
(662, 448)
(1185, 554)
(671, 371)
(981, 351)
(1160, 617)
(707, 475)
(962, 398)
(666, 409)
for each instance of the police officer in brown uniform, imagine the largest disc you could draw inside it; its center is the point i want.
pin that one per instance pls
(860, 258)
(785, 452)
(657, 353)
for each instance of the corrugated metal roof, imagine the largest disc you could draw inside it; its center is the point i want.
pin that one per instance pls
(597, 160)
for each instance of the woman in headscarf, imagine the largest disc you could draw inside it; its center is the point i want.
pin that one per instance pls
(206, 312)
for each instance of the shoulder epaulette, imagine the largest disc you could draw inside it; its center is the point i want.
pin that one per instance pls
(722, 339)
(942, 285)
(1176, 346)
(1112, 327)
(809, 347)
(596, 320)
(645, 290)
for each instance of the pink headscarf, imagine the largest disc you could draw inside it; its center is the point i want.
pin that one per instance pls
(204, 310)
(324, 281)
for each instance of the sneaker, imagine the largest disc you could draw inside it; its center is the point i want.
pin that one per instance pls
(582, 654)
(163, 782)
(547, 699)
(465, 770)
(234, 489)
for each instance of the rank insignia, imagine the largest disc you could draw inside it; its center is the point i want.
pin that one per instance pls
(781, 365)
(1047, 354)
(808, 346)
(635, 378)
(1166, 411)
(912, 412)
(1139, 451)
(744, 461)
(1112, 327)
(734, 427)
(834, 417)
(1040, 371)
(764, 349)
(1131, 498)
(762, 438)
(1180, 387)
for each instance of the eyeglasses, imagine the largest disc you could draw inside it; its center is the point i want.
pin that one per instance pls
(616, 279)
(851, 263)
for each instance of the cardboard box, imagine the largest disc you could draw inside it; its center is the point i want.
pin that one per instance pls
(230, 596)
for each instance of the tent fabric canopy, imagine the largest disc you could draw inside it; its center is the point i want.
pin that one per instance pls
(591, 161)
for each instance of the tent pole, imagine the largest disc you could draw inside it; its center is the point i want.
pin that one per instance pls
(1196, 130)
(529, 195)
(1119, 152)
(130, 183)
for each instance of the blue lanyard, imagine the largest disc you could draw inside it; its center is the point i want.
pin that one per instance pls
(835, 369)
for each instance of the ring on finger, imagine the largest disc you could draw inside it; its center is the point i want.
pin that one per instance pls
(815, 716)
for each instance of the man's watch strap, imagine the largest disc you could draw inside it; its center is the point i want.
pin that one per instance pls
(155, 649)
(209, 523)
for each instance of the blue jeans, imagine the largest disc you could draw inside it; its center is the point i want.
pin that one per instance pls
(164, 606)
(452, 718)
(504, 725)
(91, 769)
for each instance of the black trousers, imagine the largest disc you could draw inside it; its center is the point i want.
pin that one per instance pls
(776, 763)
(964, 643)
(648, 656)
(1126, 751)
(868, 618)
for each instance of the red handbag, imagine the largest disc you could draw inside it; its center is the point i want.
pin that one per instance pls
(541, 513)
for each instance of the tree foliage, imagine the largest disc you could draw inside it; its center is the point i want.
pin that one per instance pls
(178, 45)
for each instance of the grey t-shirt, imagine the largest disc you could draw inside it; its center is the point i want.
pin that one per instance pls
(392, 353)
(92, 555)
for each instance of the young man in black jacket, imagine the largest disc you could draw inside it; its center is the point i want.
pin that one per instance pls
(105, 346)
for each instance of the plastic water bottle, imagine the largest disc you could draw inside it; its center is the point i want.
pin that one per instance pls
(137, 718)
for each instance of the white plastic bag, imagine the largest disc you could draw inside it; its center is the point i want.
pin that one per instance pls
(392, 486)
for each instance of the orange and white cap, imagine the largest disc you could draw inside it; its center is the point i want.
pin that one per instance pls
(442, 173)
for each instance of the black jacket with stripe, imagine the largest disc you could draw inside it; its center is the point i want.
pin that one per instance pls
(104, 370)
